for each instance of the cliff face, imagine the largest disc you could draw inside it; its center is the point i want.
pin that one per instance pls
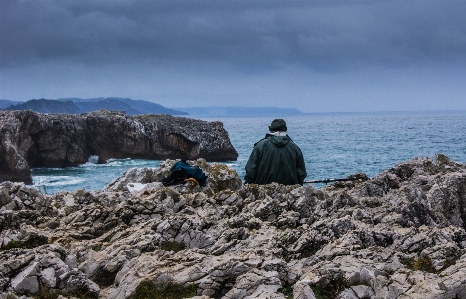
(401, 234)
(30, 139)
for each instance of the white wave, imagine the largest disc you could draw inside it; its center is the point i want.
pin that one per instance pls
(122, 163)
(47, 169)
(57, 180)
(232, 165)
(109, 161)
(133, 162)
(91, 162)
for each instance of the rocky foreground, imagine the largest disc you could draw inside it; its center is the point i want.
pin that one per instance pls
(400, 234)
(29, 139)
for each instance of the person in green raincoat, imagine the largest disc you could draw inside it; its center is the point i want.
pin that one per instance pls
(276, 158)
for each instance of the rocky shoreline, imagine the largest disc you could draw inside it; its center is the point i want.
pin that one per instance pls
(30, 139)
(401, 234)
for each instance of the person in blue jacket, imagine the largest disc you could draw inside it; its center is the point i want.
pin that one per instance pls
(276, 158)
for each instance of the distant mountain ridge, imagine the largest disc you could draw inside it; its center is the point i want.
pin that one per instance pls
(47, 106)
(7, 103)
(135, 107)
(77, 105)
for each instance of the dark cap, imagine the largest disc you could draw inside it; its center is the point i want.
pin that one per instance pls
(278, 125)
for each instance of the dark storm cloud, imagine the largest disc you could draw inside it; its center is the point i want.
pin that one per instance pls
(242, 34)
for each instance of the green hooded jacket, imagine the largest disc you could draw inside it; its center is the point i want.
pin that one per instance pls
(275, 159)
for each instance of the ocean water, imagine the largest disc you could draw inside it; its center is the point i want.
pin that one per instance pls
(334, 145)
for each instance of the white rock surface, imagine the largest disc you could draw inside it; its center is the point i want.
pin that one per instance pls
(400, 234)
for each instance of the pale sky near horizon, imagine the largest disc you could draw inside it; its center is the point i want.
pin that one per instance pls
(314, 55)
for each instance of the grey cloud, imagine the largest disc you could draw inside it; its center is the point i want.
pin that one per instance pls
(333, 55)
(243, 34)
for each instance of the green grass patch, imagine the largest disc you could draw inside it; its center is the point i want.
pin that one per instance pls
(232, 226)
(33, 242)
(389, 271)
(421, 264)
(109, 237)
(287, 291)
(148, 290)
(97, 247)
(48, 293)
(447, 264)
(424, 264)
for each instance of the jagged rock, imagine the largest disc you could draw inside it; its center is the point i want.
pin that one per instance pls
(399, 234)
(31, 139)
(219, 178)
(256, 284)
(26, 270)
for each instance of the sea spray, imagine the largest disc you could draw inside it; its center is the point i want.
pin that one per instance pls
(93, 159)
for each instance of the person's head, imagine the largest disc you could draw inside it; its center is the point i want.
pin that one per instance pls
(278, 125)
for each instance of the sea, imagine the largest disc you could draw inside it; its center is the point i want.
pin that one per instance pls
(334, 145)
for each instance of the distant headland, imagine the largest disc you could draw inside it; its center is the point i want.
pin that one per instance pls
(134, 107)
(77, 106)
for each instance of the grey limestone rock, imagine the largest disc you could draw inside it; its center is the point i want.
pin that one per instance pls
(401, 234)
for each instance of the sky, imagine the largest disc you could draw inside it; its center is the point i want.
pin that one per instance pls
(314, 55)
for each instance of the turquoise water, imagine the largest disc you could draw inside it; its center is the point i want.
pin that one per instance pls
(334, 145)
(90, 176)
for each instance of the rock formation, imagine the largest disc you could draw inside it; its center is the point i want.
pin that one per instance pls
(30, 139)
(401, 234)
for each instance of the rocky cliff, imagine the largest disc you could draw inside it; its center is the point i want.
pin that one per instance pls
(30, 139)
(401, 234)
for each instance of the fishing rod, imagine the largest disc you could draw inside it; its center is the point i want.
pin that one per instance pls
(326, 181)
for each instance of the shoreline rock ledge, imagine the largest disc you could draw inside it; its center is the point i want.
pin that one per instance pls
(30, 139)
(401, 234)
